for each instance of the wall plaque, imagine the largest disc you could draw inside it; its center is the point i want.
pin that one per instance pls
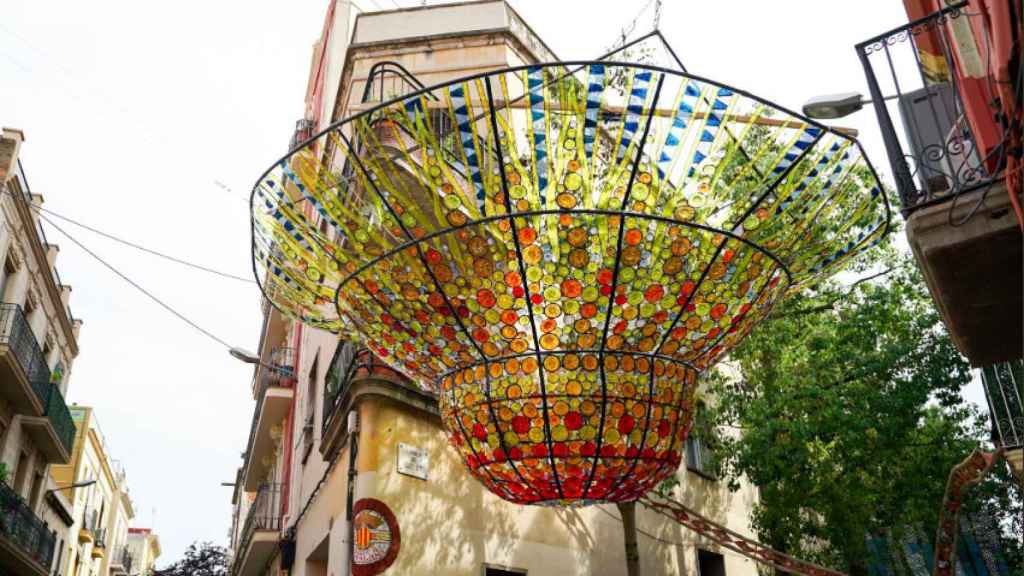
(413, 461)
(376, 537)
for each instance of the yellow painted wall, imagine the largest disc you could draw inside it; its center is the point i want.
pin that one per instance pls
(451, 525)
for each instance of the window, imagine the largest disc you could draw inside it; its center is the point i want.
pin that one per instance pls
(710, 563)
(494, 571)
(699, 457)
(21, 473)
(314, 373)
(60, 556)
(7, 272)
(336, 372)
(37, 487)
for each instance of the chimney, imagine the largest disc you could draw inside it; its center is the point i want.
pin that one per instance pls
(10, 143)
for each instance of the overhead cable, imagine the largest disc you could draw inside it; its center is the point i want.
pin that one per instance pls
(135, 285)
(143, 248)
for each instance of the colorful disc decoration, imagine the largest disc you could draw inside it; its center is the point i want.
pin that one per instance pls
(558, 252)
(376, 538)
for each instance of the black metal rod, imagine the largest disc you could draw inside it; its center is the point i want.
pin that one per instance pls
(901, 174)
(522, 273)
(611, 295)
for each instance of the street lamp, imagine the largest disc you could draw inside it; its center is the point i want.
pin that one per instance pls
(81, 484)
(244, 355)
(831, 106)
(250, 358)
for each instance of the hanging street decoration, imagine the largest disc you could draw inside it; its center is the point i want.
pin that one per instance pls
(964, 475)
(558, 252)
(733, 540)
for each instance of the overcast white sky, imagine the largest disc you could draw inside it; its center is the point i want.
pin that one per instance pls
(132, 110)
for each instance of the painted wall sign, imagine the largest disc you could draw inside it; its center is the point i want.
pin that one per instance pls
(376, 537)
(413, 461)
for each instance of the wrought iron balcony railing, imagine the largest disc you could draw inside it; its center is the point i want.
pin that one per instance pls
(350, 363)
(60, 416)
(22, 527)
(122, 559)
(912, 71)
(1003, 383)
(283, 362)
(16, 333)
(264, 514)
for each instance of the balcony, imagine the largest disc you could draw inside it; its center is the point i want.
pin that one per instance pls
(1003, 389)
(22, 365)
(121, 561)
(260, 533)
(26, 545)
(354, 371)
(99, 546)
(948, 158)
(54, 431)
(26, 383)
(273, 400)
(87, 531)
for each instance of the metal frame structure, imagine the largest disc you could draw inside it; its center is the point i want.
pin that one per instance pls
(629, 422)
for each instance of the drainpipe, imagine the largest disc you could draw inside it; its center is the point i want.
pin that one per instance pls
(353, 451)
(290, 423)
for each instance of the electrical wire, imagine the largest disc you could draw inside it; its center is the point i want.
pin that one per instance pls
(135, 285)
(143, 248)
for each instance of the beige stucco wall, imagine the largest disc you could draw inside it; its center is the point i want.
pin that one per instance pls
(452, 524)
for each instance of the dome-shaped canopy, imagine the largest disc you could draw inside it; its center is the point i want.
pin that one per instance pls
(559, 251)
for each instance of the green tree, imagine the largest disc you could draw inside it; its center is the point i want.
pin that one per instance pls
(200, 559)
(850, 416)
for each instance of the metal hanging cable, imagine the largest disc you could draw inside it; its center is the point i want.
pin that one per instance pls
(143, 248)
(135, 285)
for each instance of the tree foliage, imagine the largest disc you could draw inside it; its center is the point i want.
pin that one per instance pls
(850, 417)
(200, 559)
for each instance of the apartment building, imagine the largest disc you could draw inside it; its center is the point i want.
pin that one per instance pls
(102, 510)
(334, 427)
(143, 550)
(38, 346)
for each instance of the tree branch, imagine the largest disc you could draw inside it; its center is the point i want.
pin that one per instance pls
(831, 303)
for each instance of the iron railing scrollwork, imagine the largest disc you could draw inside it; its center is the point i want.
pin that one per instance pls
(937, 156)
(22, 527)
(1003, 384)
(16, 333)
